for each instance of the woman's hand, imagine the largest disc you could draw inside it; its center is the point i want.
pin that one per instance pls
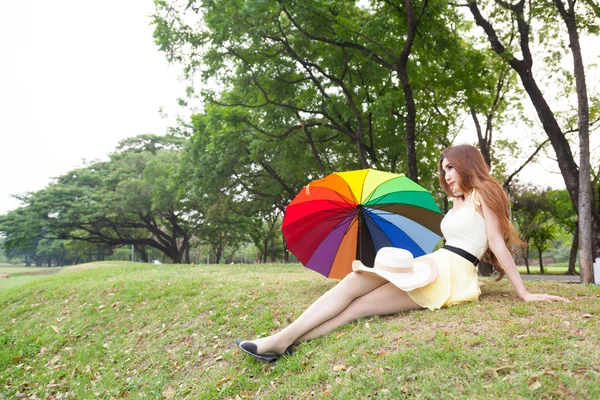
(543, 297)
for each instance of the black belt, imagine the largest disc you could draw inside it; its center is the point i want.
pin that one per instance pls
(464, 254)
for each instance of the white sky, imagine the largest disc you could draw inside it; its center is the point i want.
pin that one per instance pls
(76, 77)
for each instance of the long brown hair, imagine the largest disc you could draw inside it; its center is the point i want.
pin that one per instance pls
(469, 163)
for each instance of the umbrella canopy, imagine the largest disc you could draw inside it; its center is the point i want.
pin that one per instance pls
(349, 216)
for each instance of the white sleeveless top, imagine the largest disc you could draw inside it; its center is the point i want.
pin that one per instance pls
(465, 228)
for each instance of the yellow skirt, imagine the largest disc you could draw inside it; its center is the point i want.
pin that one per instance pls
(456, 282)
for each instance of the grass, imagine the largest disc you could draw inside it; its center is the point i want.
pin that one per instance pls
(15, 281)
(10, 270)
(21, 275)
(143, 331)
(551, 269)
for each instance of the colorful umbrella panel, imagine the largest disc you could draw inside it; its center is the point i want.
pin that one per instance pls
(351, 215)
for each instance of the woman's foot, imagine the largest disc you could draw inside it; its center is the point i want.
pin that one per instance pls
(271, 344)
(251, 348)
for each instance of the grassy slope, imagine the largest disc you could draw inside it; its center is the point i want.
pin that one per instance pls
(7, 269)
(146, 331)
(20, 275)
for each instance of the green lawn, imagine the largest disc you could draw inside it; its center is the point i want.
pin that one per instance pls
(552, 269)
(15, 281)
(21, 275)
(143, 331)
(10, 270)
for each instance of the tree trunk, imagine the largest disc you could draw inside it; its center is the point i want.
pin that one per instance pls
(175, 256)
(596, 228)
(186, 255)
(180, 252)
(218, 254)
(268, 242)
(263, 256)
(483, 143)
(273, 250)
(409, 100)
(566, 162)
(141, 249)
(286, 253)
(540, 255)
(411, 123)
(526, 256)
(573, 252)
(585, 188)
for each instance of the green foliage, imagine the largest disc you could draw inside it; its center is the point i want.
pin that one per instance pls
(4, 257)
(318, 85)
(543, 216)
(225, 224)
(562, 210)
(130, 199)
(299, 90)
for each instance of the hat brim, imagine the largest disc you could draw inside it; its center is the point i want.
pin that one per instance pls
(423, 274)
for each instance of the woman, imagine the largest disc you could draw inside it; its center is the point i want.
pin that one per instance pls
(478, 224)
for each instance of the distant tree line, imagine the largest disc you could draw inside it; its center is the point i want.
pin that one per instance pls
(139, 198)
(295, 90)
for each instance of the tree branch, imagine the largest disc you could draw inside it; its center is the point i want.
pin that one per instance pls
(510, 178)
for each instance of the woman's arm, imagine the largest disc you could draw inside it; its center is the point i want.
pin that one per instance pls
(498, 247)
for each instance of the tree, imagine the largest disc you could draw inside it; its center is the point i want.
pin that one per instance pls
(268, 237)
(225, 225)
(22, 230)
(80, 251)
(235, 187)
(346, 78)
(542, 237)
(576, 181)
(532, 212)
(130, 199)
(565, 215)
(585, 222)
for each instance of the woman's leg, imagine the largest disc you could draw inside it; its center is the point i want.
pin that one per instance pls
(326, 307)
(386, 299)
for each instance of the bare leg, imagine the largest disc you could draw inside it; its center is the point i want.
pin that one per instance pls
(326, 307)
(384, 300)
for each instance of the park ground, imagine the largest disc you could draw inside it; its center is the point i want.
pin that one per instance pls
(126, 330)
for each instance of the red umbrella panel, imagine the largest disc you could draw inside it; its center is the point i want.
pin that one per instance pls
(349, 216)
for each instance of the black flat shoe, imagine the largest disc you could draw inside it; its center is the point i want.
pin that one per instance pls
(250, 348)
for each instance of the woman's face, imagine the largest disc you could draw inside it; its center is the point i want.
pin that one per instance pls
(452, 177)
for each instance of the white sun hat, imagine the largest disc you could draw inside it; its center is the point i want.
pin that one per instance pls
(398, 267)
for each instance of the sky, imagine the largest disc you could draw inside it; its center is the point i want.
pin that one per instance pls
(77, 77)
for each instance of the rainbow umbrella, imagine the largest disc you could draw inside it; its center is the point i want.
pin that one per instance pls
(349, 216)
